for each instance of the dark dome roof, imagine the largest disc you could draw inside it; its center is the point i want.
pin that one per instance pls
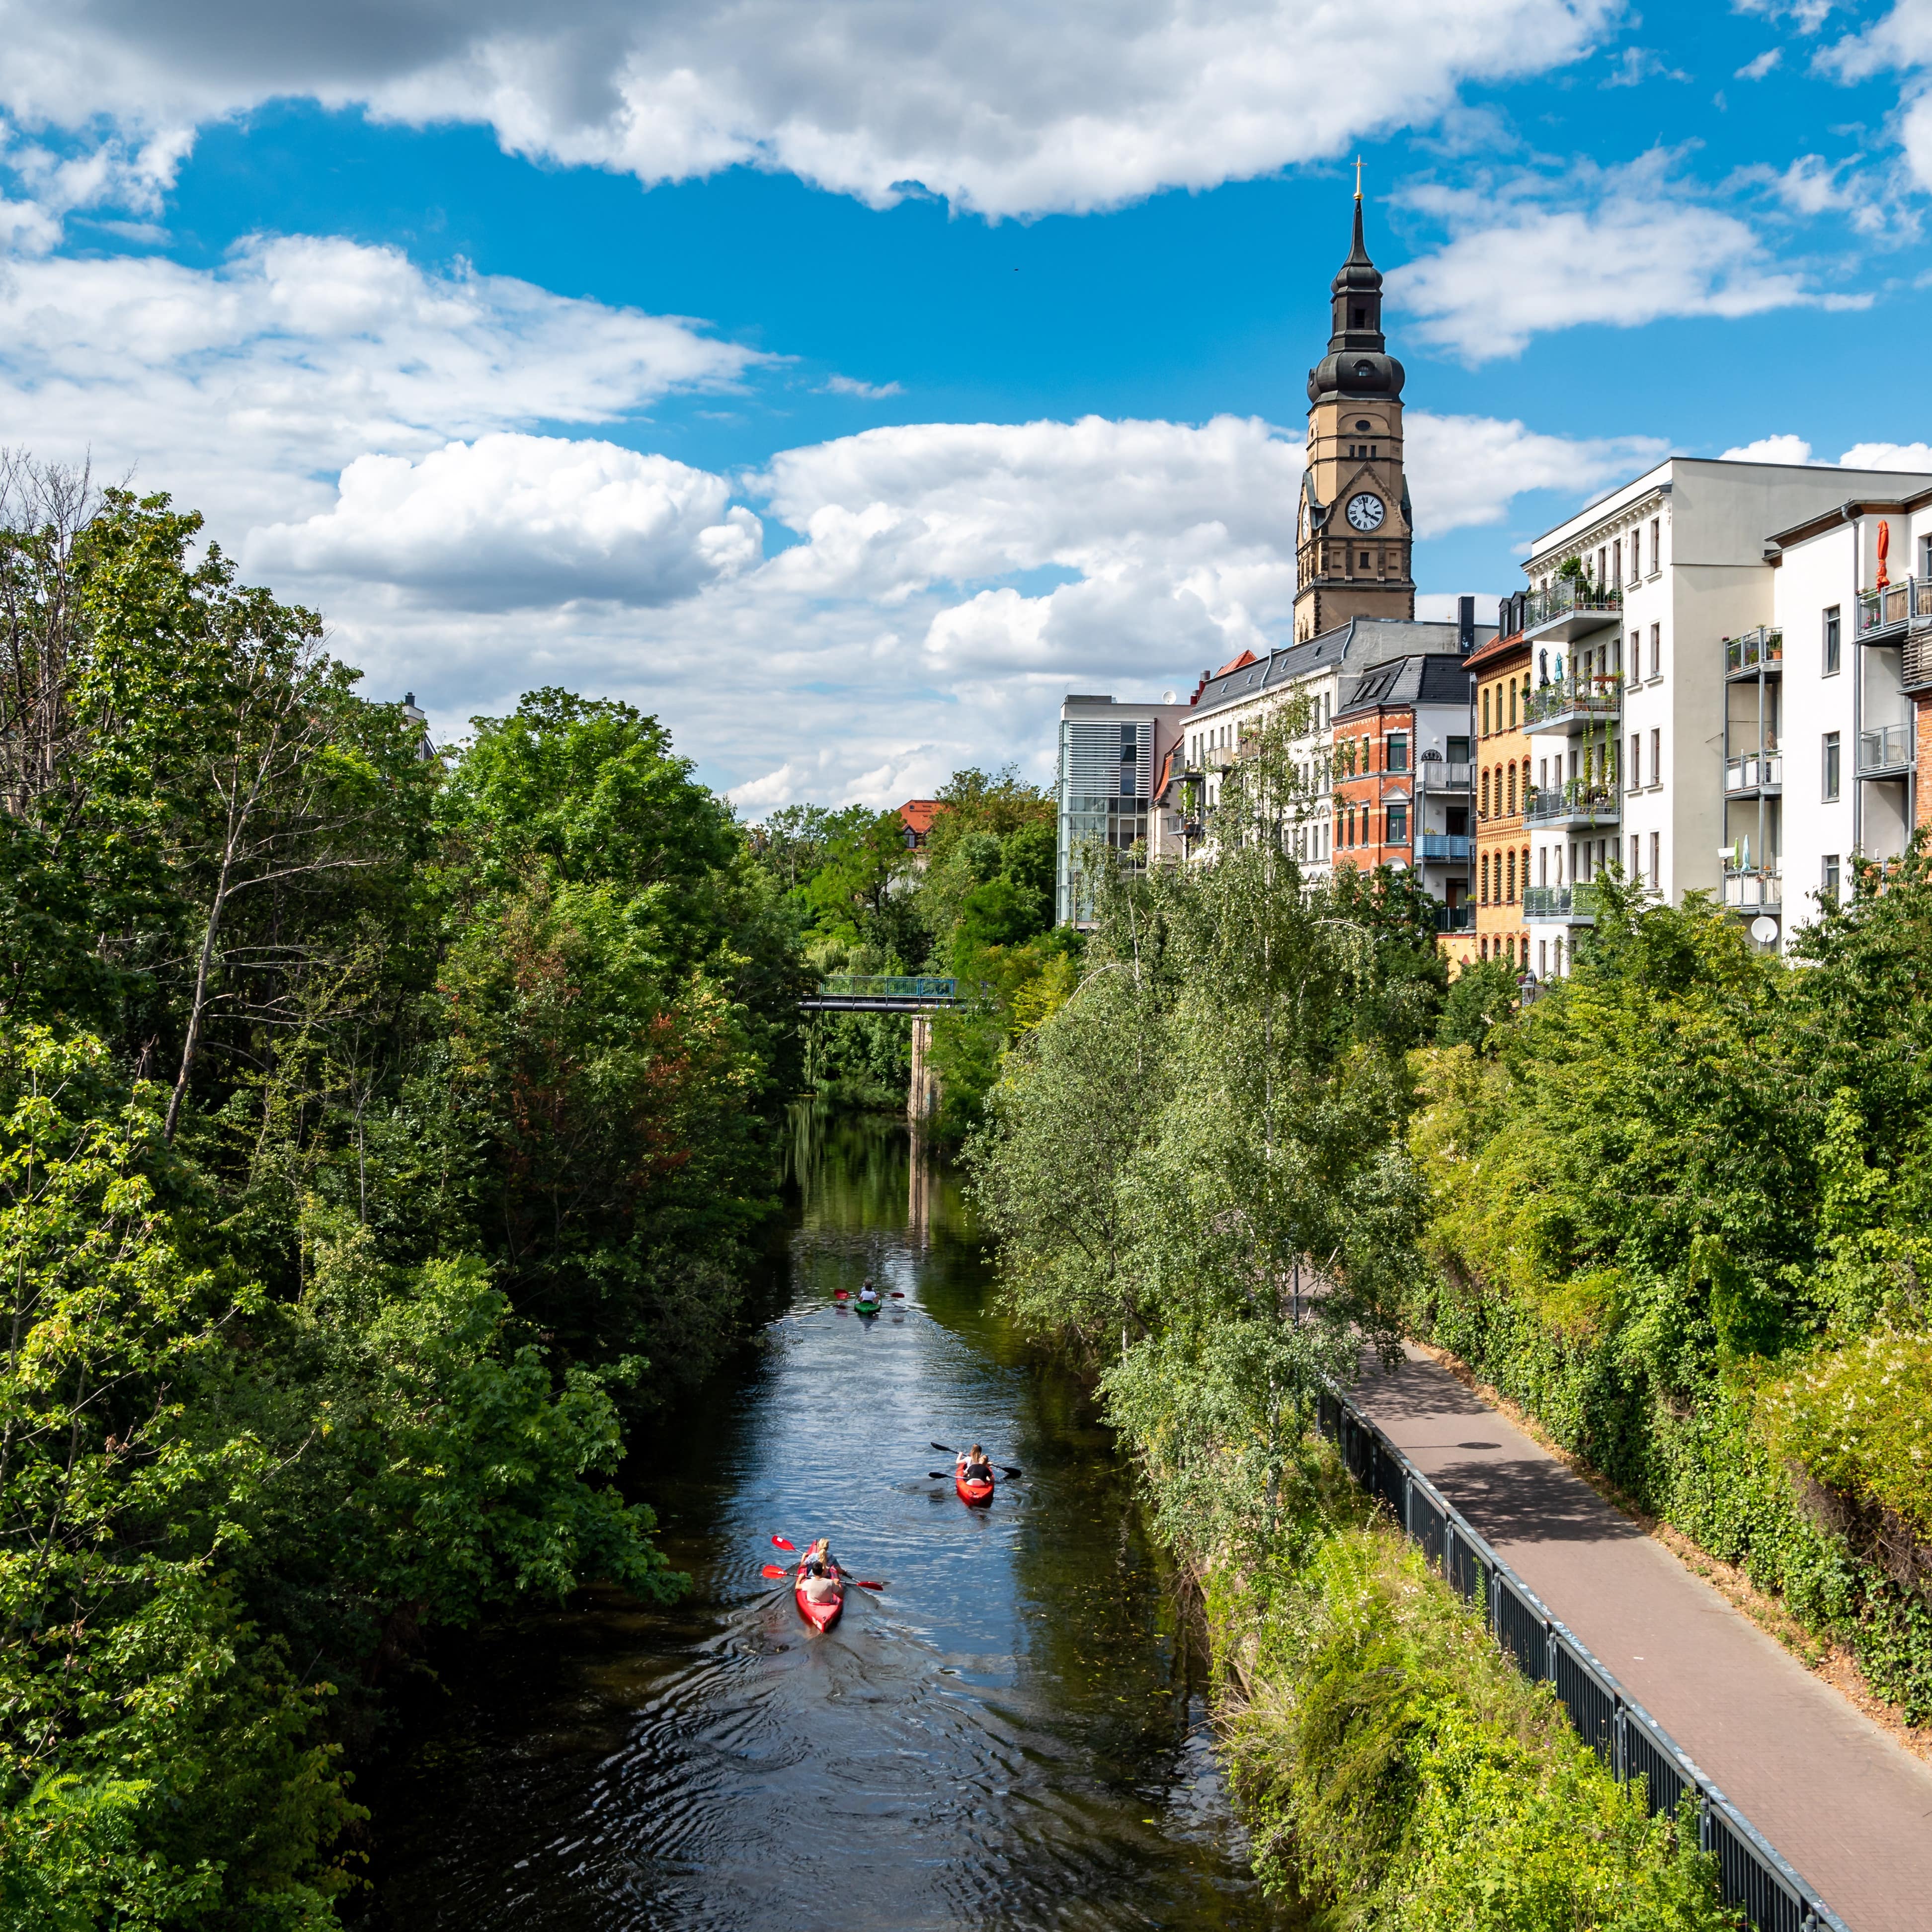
(1355, 372)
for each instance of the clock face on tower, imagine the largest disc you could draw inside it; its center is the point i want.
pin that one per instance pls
(1365, 512)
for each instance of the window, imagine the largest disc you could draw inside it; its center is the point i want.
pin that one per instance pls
(1512, 791)
(1512, 704)
(1482, 876)
(1398, 825)
(1657, 755)
(1656, 549)
(1456, 750)
(1829, 884)
(1364, 564)
(1482, 795)
(1637, 861)
(1602, 570)
(1635, 656)
(1510, 900)
(1657, 650)
(1831, 761)
(1656, 859)
(1543, 958)
(1635, 769)
(1398, 752)
(1833, 635)
(1485, 714)
(1543, 866)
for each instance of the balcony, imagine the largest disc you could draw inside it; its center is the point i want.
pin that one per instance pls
(1445, 845)
(1756, 774)
(1560, 905)
(1886, 752)
(1455, 919)
(1886, 615)
(1570, 608)
(1438, 774)
(1569, 703)
(1754, 889)
(1576, 805)
(1760, 650)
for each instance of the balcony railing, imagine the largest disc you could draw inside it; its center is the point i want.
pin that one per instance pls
(1886, 750)
(1455, 918)
(1753, 889)
(1755, 771)
(1575, 803)
(1761, 649)
(1589, 699)
(1567, 596)
(1445, 845)
(1439, 775)
(1561, 905)
(1883, 613)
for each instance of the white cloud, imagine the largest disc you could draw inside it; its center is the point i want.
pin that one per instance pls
(850, 386)
(1628, 253)
(1900, 42)
(235, 388)
(1770, 449)
(1465, 469)
(1756, 70)
(1887, 456)
(510, 521)
(1009, 107)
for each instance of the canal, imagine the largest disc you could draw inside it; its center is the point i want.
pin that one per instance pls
(1012, 1734)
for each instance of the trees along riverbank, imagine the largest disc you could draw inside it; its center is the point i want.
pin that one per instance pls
(376, 1134)
(1199, 1175)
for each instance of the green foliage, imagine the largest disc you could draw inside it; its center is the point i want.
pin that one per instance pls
(376, 1130)
(1480, 998)
(1680, 1209)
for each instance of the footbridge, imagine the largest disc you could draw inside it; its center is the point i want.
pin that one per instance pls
(918, 994)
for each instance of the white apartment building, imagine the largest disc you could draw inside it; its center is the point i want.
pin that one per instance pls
(1850, 644)
(1321, 674)
(1643, 702)
(1111, 752)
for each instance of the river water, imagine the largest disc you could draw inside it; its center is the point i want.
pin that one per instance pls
(1012, 1734)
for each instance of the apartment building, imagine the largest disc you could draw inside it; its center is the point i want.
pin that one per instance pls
(1640, 724)
(1111, 752)
(1500, 672)
(1849, 653)
(1400, 759)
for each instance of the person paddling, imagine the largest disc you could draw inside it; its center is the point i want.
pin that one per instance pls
(973, 1465)
(819, 1585)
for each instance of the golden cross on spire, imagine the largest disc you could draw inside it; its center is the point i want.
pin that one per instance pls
(1358, 177)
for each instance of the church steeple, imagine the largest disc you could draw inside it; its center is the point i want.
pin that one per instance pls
(1353, 546)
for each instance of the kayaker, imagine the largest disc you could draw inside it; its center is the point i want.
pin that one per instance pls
(974, 1467)
(819, 1586)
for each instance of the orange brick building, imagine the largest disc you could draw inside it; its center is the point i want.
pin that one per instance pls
(1501, 671)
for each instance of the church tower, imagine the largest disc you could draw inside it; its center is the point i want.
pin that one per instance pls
(1354, 533)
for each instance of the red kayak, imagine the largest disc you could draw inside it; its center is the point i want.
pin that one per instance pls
(820, 1616)
(972, 1490)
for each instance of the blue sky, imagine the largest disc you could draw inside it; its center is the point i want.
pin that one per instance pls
(844, 383)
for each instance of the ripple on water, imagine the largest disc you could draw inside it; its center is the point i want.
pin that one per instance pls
(1011, 1736)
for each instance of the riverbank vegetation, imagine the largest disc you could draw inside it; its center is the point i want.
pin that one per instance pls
(378, 1132)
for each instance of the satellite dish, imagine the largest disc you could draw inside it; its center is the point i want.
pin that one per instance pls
(1167, 698)
(1763, 930)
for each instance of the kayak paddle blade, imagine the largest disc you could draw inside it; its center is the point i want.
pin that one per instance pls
(779, 1543)
(943, 1449)
(774, 1570)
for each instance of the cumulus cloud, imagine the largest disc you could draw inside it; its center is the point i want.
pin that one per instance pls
(1756, 70)
(238, 386)
(1887, 456)
(509, 521)
(1011, 107)
(1770, 449)
(1626, 250)
(1900, 43)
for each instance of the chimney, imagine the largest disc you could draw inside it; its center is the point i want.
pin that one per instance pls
(1465, 625)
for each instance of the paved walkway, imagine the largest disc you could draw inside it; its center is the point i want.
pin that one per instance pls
(1850, 1809)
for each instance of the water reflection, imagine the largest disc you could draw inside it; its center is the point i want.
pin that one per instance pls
(1012, 1735)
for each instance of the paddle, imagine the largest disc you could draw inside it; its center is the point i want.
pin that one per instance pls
(773, 1570)
(1005, 1469)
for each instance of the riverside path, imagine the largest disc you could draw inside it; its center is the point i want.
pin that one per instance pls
(1848, 1807)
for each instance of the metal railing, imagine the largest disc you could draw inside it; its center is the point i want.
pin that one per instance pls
(1569, 594)
(1548, 806)
(1631, 1744)
(887, 986)
(1455, 919)
(1754, 770)
(1445, 845)
(1888, 749)
(1895, 605)
(1752, 886)
(1439, 775)
(1761, 649)
(1567, 905)
(1592, 698)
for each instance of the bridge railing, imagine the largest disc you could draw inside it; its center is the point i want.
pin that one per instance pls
(1631, 1743)
(888, 986)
